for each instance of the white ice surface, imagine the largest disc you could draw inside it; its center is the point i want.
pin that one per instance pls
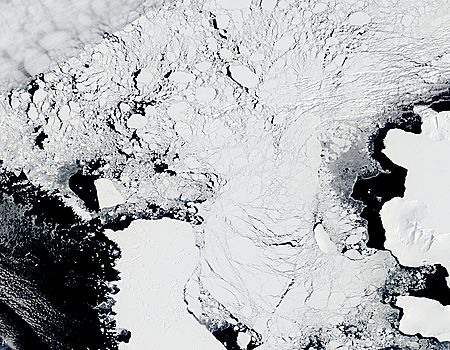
(107, 194)
(323, 240)
(257, 156)
(417, 225)
(424, 316)
(157, 259)
(244, 76)
(359, 18)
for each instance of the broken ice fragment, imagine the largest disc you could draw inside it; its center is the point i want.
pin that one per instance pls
(243, 76)
(145, 76)
(268, 4)
(234, 4)
(205, 94)
(359, 18)
(225, 53)
(181, 77)
(323, 240)
(64, 113)
(353, 254)
(177, 110)
(353, 239)
(39, 96)
(243, 339)
(222, 21)
(284, 43)
(136, 121)
(107, 194)
(203, 66)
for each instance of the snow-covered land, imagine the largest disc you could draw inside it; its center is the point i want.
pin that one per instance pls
(246, 123)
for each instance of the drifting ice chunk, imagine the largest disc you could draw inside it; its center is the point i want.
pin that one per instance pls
(107, 194)
(136, 121)
(323, 240)
(243, 340)
(234, 4)
(244, 76)
(181, 77)
(359, 18)
(205, 94)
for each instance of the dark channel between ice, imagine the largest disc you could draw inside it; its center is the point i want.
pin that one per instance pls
(375, 191)
(389, 183)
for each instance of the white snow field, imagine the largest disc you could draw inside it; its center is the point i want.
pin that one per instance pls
(417, 225)
(157, 259)
(425, 316)
(255, 116)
